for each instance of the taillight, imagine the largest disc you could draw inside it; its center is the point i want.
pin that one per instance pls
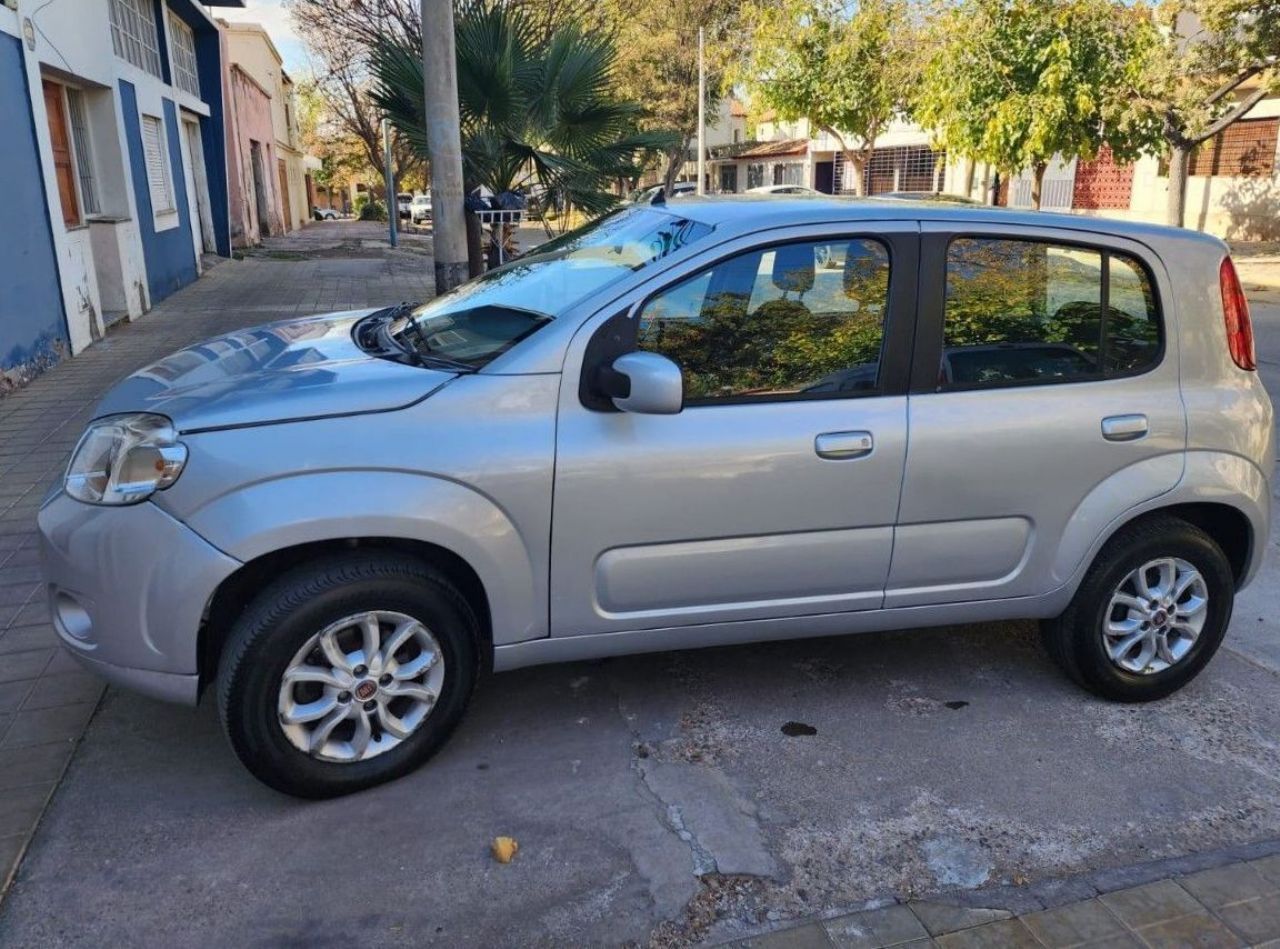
(1235, 311)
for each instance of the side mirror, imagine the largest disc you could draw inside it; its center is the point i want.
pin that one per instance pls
(646, 383)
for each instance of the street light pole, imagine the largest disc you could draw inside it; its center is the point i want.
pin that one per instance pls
(393, 204)
(702, 112)
(444, 144)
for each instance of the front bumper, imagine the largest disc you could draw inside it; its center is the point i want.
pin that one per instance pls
(128, 587)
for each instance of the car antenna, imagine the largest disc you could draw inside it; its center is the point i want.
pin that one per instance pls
(659, 197)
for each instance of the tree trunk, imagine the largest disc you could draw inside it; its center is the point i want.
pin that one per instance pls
(858, 167)
(675, 161)
(475, 244)
(1179, 160)
(970, 168)
(1037, 182)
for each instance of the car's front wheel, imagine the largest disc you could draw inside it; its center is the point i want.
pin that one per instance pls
(347, 672)
(1149, 614)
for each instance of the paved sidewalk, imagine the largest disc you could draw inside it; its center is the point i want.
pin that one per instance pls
(45, 701)
(1229, 904)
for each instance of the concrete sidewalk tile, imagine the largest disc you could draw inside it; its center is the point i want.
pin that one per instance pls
(941, 918)
(1230, 884)
(12, 695)
(1199, 930)
(62, 661)
(1269, 867)
(27, 639)
(20, 808)
(1002, 934)
(33, 764)
(1074, 924)
(1255, 920)
(1150, 903)
(811, 936)
(65, 723)
(876, 928)
(24, 665)
(66, 688)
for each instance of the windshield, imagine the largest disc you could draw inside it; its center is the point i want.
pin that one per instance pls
(485, 317)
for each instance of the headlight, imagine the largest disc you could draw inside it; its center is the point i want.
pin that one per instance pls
(124, 459)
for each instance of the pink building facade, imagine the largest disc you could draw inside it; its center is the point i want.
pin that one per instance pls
(253, 187)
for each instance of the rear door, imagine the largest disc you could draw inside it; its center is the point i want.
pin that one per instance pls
(773, 492)
(1045, 401)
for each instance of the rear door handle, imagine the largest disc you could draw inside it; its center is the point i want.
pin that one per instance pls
(1124, 428)
(843, 445)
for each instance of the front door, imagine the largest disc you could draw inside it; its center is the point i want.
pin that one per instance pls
(1045, 400)
(773, 493)
(284, 194)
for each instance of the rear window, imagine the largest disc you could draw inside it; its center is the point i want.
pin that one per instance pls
(1031, 312)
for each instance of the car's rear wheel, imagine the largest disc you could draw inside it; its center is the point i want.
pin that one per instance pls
(1149, 614)
(347, 673)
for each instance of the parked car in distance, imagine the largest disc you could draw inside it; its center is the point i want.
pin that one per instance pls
(420, 208)
(336, 523)
(938, 196)
(782, 189)
(681, 189)
(404, 203)
(324, 214)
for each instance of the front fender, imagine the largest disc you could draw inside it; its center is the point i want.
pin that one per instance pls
(329, 505)
(1208, 477)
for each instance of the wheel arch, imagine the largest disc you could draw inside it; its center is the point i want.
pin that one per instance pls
(234, 594)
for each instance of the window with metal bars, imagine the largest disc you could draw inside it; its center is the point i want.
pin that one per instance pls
(84, 157)
(133, 34)
(183, 54)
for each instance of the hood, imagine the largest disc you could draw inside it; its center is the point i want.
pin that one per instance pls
(307, 368)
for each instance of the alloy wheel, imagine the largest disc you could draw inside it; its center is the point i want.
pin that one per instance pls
(360, 686)
(1155, 616)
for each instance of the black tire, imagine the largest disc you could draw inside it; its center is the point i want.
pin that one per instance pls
(295, 607)
(1075, 641)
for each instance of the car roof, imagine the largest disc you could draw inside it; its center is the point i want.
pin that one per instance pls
(748, 212)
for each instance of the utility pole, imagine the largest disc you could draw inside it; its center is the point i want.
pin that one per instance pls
(444, 144)
(393, 204)
(702, 112)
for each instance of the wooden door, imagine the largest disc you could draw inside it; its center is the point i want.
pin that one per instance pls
(284, 194)
(63, 165)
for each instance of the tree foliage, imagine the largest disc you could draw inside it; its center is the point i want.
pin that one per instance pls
(657, 63)
(1204, 64)
(340, 34)
(847, 71)
(534, 108)
(1014, 82)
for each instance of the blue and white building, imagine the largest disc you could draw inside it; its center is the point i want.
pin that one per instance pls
(115, 162)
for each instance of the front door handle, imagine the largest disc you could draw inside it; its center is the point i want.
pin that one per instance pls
(843, 445)
(1124, 428)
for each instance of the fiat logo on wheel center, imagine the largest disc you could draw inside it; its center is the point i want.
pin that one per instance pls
(366, 690)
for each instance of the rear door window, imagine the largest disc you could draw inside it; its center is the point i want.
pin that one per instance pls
(1030, 312)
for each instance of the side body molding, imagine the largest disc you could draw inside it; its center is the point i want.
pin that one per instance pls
(330, 505)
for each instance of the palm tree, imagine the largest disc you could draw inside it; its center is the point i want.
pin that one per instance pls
(535, 109)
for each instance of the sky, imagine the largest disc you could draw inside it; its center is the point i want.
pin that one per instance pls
(275, 18)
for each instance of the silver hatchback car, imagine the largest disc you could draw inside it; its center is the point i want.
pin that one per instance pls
(715, 422)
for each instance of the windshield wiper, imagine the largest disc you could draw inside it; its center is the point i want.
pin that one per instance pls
(421, 357)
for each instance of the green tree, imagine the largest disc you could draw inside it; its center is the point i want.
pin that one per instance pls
(533, 111)
(1014, 82)
(847, 71)
(657, 64)
(1204, 65)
